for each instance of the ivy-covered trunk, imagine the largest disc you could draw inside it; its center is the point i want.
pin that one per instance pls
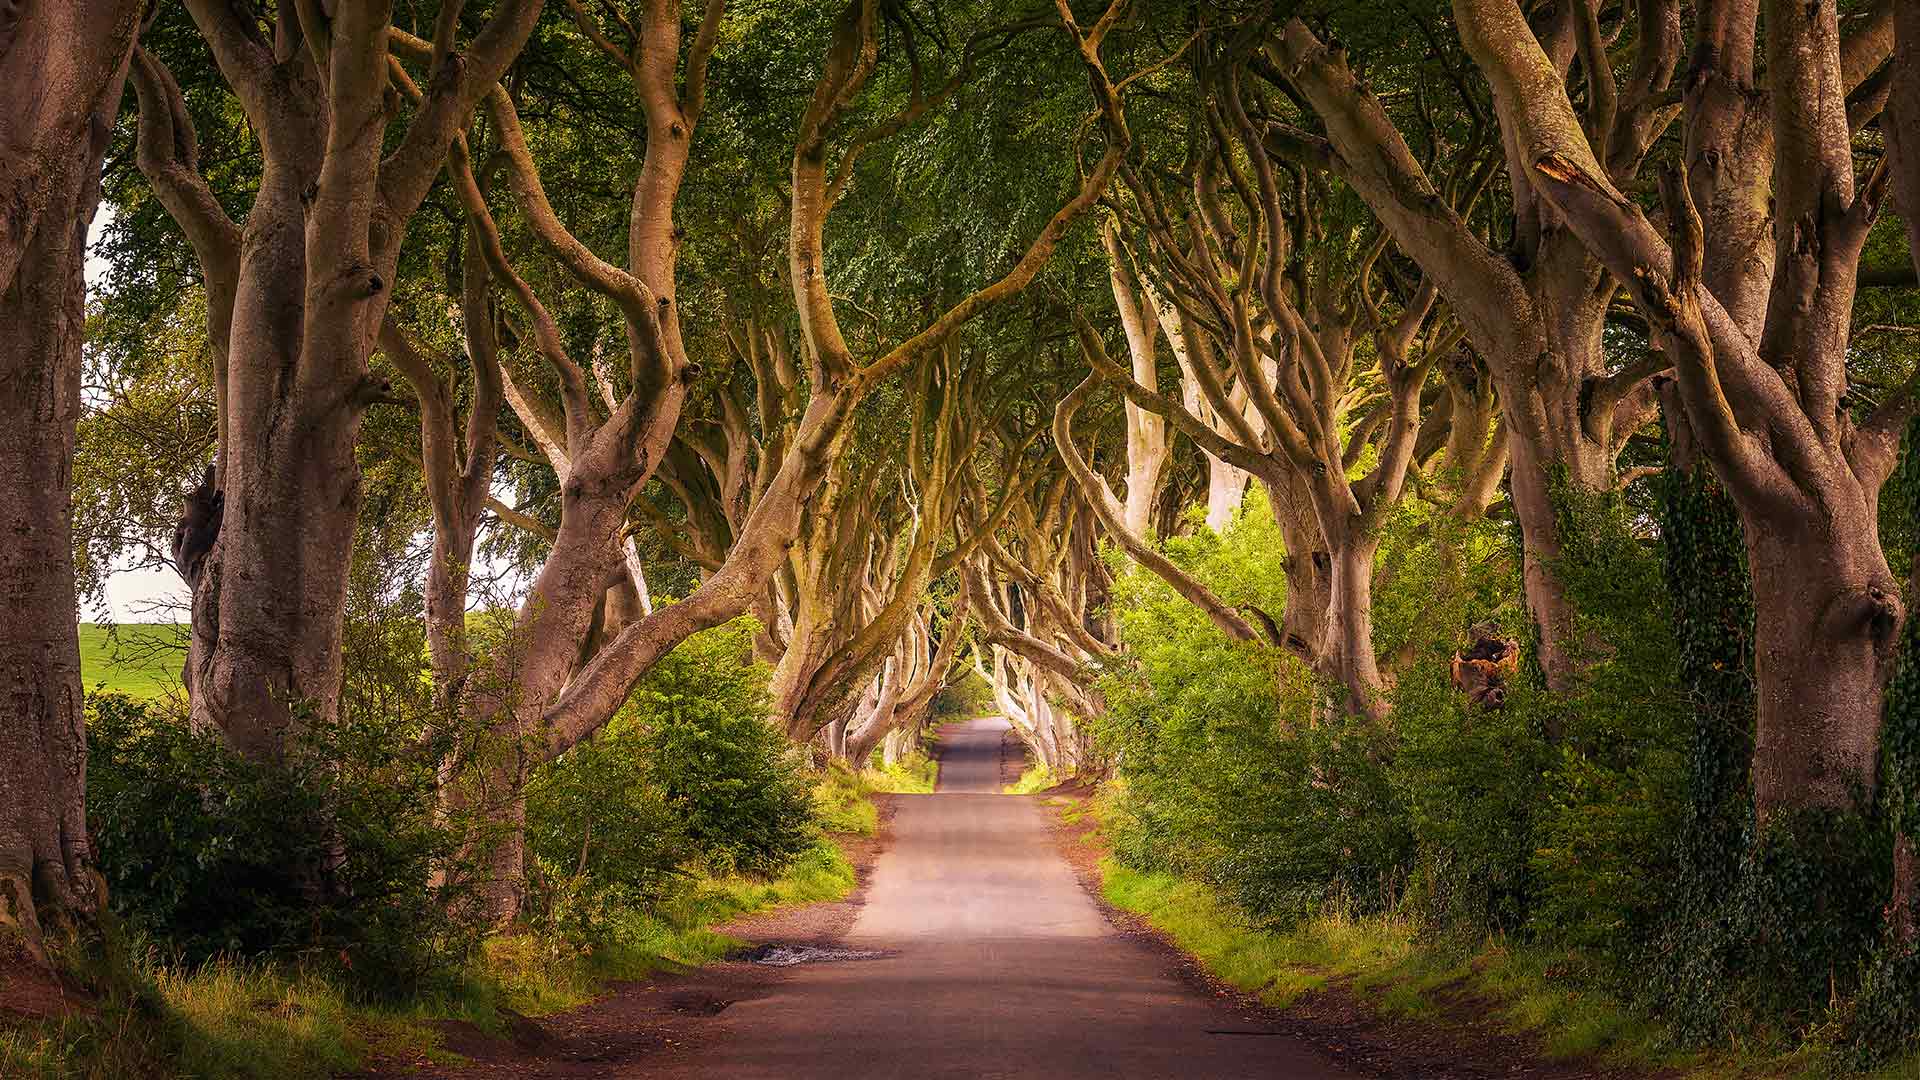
(1900, 739)
(1707, 583)
(1900, 734)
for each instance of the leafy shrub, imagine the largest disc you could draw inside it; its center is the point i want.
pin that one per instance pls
(740, 786)
(1885, 1019)
(690, 771)
(1471, 782)
(963, 697)
(1615, 797)
(1554, 815)
(596, 815)
(329, 855)
(1229, 775)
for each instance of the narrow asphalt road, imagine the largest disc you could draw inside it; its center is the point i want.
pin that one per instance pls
(996, 964)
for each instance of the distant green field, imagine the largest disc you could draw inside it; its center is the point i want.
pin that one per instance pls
(141, 659)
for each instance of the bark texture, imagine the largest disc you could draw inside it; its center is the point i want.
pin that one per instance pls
(65, 63)
(1766, 400)
(1534, 315)
(295, 303)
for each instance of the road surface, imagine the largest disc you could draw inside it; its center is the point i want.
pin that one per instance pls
(996, 964)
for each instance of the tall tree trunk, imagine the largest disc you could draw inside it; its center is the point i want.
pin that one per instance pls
(1902, 735)
(1226, 490)
(1309, 568)
(871, 717)
(807, 649)
(269, 599)
(295, 305)
(1558, 447)
(66, 64)
(1824, 618)
(900, 744)
(1348, 647)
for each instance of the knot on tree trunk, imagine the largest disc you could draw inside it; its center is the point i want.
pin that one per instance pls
(1873, 610)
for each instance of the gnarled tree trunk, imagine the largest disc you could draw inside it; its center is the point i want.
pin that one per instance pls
(1537, 324)
(295, 304)
(65, 63)
(1768, 404)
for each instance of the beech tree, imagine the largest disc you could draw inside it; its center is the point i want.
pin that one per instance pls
(52, 141)
(1749, 288)
(296, 299)
(1278, 284)
(538, 702)
(1534, 314)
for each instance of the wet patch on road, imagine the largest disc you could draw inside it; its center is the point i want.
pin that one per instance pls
(776, 954)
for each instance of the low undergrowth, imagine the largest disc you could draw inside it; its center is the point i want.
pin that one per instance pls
(307, 918)
(233, 1018)
(915, 774)
(1391, 963)
(842, 801)
(1586, 858)
(1033, 779)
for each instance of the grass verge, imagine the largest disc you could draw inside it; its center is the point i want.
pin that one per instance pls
(1036, 778)
(1391, 966)
(915, 775)
(237, 1019)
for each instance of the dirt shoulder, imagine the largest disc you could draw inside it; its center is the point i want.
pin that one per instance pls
(1342, 1022)
(660, 1021)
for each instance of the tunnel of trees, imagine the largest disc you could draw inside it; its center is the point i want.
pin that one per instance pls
(1452, 458)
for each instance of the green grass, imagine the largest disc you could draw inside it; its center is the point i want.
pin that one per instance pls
(842, 801)
(1036, 778)
(138, 659)
(1388, 963)
(537, 975)
(915, 775)
(234, 1019)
